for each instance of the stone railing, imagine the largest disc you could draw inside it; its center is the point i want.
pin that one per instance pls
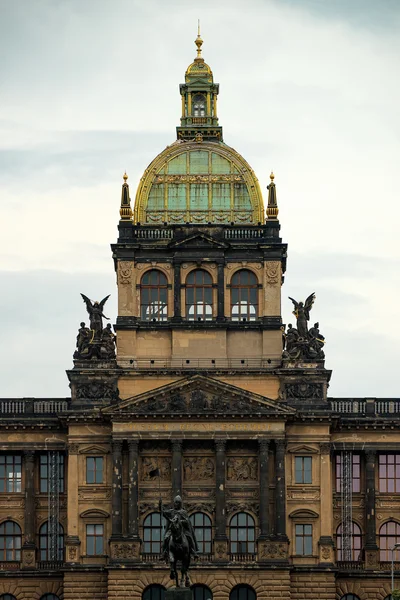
(206, 363)
(243, 557)
(244, 233)
(50, 565)
(150, 233)
(387, 566)
(22, 406)
(10, 565)
(350, 565)
(385, 407)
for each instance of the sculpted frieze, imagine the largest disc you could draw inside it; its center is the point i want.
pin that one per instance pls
(197, 468)
(149, 464)
(242, 469)
(197, 402)
(233, 507)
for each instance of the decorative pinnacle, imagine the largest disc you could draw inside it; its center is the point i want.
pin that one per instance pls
(125, 211)
(272, 207)
(198, 41)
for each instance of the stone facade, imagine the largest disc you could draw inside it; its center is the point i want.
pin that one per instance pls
(200, 401)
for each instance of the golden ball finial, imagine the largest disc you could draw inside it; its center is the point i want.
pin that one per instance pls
(272, 176)
(125, 177)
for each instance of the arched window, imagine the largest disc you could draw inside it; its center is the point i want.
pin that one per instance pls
(152, 533)
(203, 529)
(242, 592)
(201, 592)
(7, 597)
(354, 552)
(244, 296)
(199, 294)
(349, 597)
(49, 597)
(389, 535)
(153, 296)
(242, 534)
(199, 105)
(44, 543)
(154, 592)
(10, 541)
(388, 597)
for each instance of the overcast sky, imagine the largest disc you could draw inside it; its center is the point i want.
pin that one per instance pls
(308, 88)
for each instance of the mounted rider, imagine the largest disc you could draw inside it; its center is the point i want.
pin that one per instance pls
(169, 514)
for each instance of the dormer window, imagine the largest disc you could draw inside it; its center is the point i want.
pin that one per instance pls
(199, 105)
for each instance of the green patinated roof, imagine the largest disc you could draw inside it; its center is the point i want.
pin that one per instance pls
(199, 183)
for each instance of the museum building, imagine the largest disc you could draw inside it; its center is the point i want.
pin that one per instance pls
(292, 494)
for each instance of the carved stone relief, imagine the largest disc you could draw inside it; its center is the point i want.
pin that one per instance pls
(242, 469)
(125, 272)
(198, 468)
(273, 550)
(272, 272)
(151, 463)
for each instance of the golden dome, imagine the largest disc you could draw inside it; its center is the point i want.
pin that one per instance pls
(199, 182)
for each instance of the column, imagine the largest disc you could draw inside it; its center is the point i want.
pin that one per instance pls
(221, 293)
(72, 541)
(28, 548)
(370, 459)
(264, 487)
(29, 528)
(189, 101)
(280, 490)
(208, 104)
(177, 293)
(325, 542)
(116, 525)
(133, 459)
(220, 512)
(177, 467)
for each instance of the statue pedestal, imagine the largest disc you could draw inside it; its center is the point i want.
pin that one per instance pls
(175, 593)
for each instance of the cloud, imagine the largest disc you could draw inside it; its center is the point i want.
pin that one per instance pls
(308, 89)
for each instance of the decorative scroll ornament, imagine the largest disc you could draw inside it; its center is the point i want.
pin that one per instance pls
(272, 272)
(125, 272)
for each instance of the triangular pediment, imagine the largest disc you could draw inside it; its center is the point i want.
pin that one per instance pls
(200, 240)
(200, 395)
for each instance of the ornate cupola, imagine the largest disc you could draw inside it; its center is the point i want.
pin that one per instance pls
(199, 101)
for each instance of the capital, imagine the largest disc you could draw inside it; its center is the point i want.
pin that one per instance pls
(280, 445)
(220, 445)
(133, 445)
(29, 456)
(176, 445)
(117, 446)
(264, 444)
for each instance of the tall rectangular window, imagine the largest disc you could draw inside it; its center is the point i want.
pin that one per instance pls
(304, 540)
(303, 469)
(389, 473)
(94, 469)
(10, 473)
(356, 472)
(44, 473)
(94, 540)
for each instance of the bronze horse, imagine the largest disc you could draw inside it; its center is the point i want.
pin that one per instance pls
(179, 549)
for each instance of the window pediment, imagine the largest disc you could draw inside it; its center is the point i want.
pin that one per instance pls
(94, 449)
(303, 514)
(94, 513)
(303, 449)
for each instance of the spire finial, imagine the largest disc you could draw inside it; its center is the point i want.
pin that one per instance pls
(125, 211)
(272, 207)
(198, 41)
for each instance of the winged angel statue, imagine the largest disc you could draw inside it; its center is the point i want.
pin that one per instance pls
(95, 342)
(300, 342)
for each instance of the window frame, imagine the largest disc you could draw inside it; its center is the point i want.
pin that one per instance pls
(147, 592)
(45, 547)
(235, 592)
(159, 304)
(355, 551)
(303, 471)
(95, 537)
(44, 481)
(250, 544)
(244, 297)
(95, 470)
(153, 543)
(386, 479)
(385, 553)
(13, 460)
(305, 539)
(205, 592)
(356, 467)
(205, 545)
(203, 296)
(16, 536)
